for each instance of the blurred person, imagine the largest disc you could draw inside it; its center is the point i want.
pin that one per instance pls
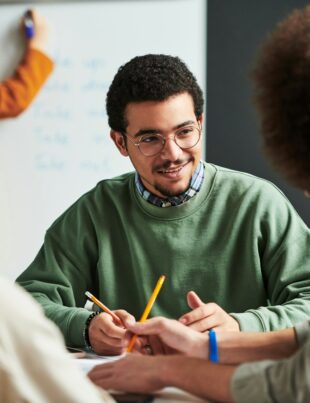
(34, 364)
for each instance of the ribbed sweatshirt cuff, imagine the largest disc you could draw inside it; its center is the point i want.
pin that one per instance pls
(76, 327)
(249, 321)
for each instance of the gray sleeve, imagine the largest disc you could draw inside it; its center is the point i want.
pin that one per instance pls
(274, 381)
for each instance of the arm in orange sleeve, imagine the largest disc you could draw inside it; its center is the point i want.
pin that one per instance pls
(18, 91)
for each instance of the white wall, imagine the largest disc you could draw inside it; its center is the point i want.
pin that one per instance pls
(60, 147)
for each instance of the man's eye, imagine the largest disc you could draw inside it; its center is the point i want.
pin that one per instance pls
(187, 131)
(150, 139)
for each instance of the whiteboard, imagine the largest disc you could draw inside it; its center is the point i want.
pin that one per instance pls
(60, 147)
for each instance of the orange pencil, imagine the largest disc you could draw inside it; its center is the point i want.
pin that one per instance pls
(103, 307)
(147, 309)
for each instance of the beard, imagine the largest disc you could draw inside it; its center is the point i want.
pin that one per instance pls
(169, 192)
(165, 191)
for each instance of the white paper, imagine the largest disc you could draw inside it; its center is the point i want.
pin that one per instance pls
(86, 364)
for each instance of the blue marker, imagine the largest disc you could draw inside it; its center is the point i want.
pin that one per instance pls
(28, 24)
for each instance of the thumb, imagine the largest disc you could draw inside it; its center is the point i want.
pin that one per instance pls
(193, 300)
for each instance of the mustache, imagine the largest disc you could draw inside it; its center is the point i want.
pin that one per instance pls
(168, 164)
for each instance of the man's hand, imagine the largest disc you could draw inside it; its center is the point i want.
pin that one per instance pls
(140, 374)
(204, 317)
(167, 336)
(133, 374)
(106, 337)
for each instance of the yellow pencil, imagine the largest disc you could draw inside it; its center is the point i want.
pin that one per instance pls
(103, 307)
(147, 309)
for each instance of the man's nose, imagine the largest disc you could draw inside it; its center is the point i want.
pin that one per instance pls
(171, 150)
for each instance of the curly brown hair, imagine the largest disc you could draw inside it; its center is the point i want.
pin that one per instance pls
(152, 77)
(282, 96)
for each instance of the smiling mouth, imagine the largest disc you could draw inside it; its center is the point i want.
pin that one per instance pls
(172, 171)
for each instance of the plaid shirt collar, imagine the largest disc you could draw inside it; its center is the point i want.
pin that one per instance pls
(193, 189)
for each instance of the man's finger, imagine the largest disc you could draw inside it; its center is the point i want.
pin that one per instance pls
(205, 324)
(193, 300)
(151, 326)
(202, 312)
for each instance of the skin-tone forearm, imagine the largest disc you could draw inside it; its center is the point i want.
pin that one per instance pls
(244, 347)
(233, 347)
(144, 374)
(199, 377)
(188, 367)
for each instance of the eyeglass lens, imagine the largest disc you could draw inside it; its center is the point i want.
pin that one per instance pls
(152, 144)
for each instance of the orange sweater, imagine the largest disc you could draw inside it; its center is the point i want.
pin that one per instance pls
(17, 92)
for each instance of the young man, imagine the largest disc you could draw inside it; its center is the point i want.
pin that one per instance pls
(18, 91)
(282, 79)
(232, 238)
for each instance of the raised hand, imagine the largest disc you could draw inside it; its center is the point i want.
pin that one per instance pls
(204, 317)
(41, 32)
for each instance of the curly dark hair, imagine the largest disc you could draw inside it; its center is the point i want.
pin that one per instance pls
(149, 78)
(282, 96)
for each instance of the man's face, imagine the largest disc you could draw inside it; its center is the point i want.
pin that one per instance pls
(169, 172)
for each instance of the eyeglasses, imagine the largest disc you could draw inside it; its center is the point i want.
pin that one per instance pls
(152, 144)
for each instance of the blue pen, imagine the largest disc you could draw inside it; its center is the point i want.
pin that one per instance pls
(28, 24)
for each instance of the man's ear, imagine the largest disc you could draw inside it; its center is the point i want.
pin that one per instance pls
(119, 141)
(307, 193)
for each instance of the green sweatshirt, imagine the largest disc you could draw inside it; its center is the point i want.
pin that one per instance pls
(238, 243)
